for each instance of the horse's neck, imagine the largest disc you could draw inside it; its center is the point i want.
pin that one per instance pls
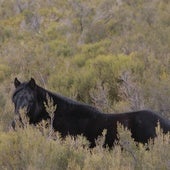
(46, 96)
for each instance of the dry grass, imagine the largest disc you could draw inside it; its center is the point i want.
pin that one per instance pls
(34, 147)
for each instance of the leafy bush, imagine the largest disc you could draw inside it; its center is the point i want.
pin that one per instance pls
(28, 149)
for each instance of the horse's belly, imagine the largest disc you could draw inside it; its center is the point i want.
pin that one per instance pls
(70, 126)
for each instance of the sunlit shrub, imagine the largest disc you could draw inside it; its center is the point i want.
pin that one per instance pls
(36, 147)
(83, 49)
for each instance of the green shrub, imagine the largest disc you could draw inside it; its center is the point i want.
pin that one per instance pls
(113, 55)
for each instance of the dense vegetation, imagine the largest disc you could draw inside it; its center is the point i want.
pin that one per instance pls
(114, 55)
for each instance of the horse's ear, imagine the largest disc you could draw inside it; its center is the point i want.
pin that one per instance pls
(32, 83)
(16, 82)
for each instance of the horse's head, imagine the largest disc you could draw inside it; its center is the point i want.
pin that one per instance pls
(25, 97)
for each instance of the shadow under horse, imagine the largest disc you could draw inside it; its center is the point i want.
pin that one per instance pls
(75, 118)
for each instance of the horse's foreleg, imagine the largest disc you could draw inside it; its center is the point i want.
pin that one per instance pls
(110, 138)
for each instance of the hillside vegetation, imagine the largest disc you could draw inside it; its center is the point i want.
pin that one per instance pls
(112, 54)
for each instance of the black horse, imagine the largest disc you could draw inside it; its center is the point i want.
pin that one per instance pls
(75, 118)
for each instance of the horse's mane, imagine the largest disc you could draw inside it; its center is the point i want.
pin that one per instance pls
(43, 92)
(64, 100)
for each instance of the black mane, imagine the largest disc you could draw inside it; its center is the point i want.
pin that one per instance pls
(62, 101)
(76, 118)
